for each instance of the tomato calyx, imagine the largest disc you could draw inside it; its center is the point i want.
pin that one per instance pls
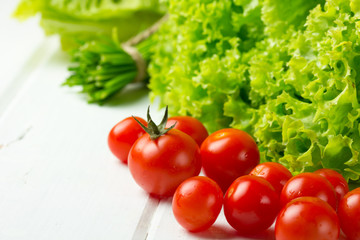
(154, 130)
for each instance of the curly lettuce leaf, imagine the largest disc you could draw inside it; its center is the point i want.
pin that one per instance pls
(287, 73)
(197, 62)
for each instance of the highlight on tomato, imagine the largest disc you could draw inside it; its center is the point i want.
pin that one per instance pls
(123, 135)
(197, 203)
(251, 204)
(349, 214)
(307, 218)
(275, 173)
(163, 158)
(337, 180)
(189, 125)
(308, 185)
(228, 154)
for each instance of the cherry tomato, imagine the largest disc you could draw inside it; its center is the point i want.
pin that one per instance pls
(160, 165)
(189, 125)
(349, 214)
(274, 173)
(337, 181)
(197, 203)
(307, 218)
(123, 135)
(251, 204)
(228, 154)
(308, 185)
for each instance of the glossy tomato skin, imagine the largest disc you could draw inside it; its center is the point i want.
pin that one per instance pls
(123, 135)
(349, 214)
(189, 125)
(307, 218)
(160, 165)
(197, 203)
(308, 185)
(339, 183)
(228, 154)
(275, 173)
(251, 204)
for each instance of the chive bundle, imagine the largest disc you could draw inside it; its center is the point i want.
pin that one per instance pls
(103, 68)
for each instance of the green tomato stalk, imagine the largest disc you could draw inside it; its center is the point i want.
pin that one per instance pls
(155, 131)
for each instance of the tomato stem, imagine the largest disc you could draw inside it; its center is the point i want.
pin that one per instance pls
(154, 130)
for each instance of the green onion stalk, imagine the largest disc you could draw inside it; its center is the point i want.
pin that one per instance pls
(104, 66)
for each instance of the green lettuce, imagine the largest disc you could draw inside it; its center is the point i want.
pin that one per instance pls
(286, 72)
(85, 20)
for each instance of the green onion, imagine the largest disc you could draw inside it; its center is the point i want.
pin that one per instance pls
(104, 66)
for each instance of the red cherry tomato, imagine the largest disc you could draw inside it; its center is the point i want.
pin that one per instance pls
(251, 204)
(189, 125)
(274, 173)
(349, 214)
(228, 154)
(160, 165)
(307, 218)
(339, 183)
(308, 185)
(197, 203)
(123, 135)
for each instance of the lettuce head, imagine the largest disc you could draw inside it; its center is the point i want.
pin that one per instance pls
(287, 72)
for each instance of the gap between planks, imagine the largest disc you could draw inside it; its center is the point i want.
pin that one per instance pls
(142, 229)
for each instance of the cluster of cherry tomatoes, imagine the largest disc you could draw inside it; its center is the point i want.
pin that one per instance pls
(166, 159)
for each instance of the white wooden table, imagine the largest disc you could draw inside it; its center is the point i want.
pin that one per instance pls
(58, 179)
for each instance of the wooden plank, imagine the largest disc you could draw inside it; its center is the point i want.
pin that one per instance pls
(21, 74)
(58, 180)
(19, 41)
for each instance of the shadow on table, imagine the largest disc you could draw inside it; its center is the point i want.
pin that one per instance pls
(226, 232)
(131, 93)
